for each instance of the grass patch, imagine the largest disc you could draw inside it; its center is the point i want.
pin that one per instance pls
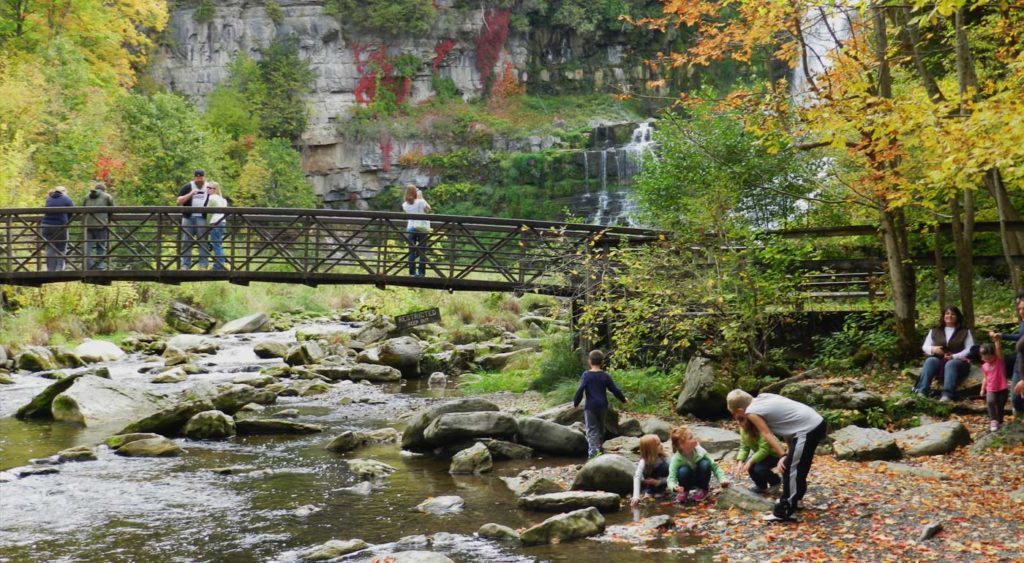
(646, 390)
(516, 381)
(559, 365)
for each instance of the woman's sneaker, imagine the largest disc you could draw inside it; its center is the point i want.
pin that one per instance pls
(699, 495)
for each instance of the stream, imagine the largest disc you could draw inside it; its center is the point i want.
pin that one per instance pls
(287, 493)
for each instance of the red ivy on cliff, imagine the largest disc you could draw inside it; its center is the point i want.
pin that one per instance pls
(490, 42)
(372, 63)
(441, 51)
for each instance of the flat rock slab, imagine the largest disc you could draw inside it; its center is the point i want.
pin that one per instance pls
(448, 504)
(412, 438)
(571, 500)
(861, 444)
(39, 406)
(716, 440)
(333, 549)
(933, 439)
(1009, 436)
(743, 499)
(565, 527)
(454, 427)
(253, 426)
(909, 470)
(151, 447)
(366, 469)
(497, 532)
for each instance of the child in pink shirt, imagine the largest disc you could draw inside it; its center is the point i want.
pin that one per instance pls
(994, 388)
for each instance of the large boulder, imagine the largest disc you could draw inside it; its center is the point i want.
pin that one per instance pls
(743, 499)
(701, 396)
(370, 372)
(565, 527)
(118, 440)
(252, 323)
(268, 350)
(863, 444)
(354, 439)
(630, 427)
(210, 425)
(834, 393)
(402, 353)
(658, 427)
(168, 421)
(492, 531)
(375, 330)
(41, 405)
(551, 438)
(571, 500)
(933, 439)
(77, 453)
(968, 386)
(413, 439)
(1009, 436)
(150, 447)
(454, 427)
(36, 358)
(304, 353)
(539, 485)
(567, 415)
(187, 319)
(95, 351)
(97, 400)
(500, 449)
(66, 358)
(716, 440)
(608, 472)
(471, 461)
(230, 398)
(497, 362)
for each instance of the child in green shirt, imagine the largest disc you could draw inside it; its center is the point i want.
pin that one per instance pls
(691, 468)
(756, 458)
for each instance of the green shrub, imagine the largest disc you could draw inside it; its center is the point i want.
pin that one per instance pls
(560, 364)
(274, 11)
(516, 381)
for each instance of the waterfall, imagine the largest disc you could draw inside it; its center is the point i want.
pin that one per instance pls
(586, 172)
(614, 204)
(824, 29)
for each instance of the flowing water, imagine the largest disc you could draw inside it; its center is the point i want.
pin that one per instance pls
(287, 495)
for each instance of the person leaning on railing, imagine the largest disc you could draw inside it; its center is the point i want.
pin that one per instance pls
(217, 223)
(97, 227)
(193, 225)
(55, 229)
(417, 230)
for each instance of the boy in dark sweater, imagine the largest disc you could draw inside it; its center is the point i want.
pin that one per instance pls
(594, 383)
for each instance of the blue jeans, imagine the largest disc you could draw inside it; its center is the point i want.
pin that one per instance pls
(761, 473)
(417, 247)
(1016, 400)
(56, 249)
(193, 231)
(660, 472)
(698, 477)
(217, 244)
(96, 247)
(952, 372)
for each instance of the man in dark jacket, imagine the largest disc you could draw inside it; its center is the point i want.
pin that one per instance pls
(193, 225)
(55, 229)
(97, 227)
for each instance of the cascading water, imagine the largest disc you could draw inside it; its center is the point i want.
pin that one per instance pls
(615, 206)
(824, 29)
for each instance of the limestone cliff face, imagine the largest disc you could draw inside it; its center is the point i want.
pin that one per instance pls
(344, 172)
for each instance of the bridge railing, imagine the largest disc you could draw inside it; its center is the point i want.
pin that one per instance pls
(305, 246)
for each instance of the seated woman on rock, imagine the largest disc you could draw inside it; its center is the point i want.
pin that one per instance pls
(946, 346)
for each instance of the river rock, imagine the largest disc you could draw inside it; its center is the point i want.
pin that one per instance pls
(210, 425)
(118, 440)
(622, 445)
(437, 380)
(258, 322)
(78, 453)
(304, 353)
(95, 400)
(497, 532)
(257, 426)
(170, 420)
(449, 504)
(95, 351)
(402, 353)
(174, 356)
(933, 439)
(608, 472)
(539, 485)
(36, 358)
(572, 500)
(413, 439)
(41, 405)
(833, 393)
(497, 362)
(743, 499)
(501, 450)
(311, 388)
(565, 527)
(183, 318)
(630, 427)
(173, 375)
(375, 330)
(254, 380)
(551, 438)
(702, 396)
(194, 343)
(1009, 436)
(471, 461)
(414, 557)
(455, 361)
(151, 447)
(352, 440)
(374, 373)
(658, 427)
(230, 398)
(910, 470)
(333, 549)
(454, 427)
(66, 358)
(567, 415)
(716, 440)
(861, 444)
(367, 469)
(268, 350)
(362, 488)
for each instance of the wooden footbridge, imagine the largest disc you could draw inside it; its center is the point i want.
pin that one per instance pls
(310, 247)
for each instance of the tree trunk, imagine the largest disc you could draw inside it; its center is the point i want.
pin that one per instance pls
(964, 263)
(1011, 244)
(940, 269)
(901, 276)
(911, 41)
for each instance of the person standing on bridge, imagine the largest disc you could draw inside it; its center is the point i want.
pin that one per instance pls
(193, 225)
(217, 223)
(417, 230)
(97, 227)
(55, 229)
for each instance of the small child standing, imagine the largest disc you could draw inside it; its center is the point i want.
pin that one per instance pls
(689, 474)
(755, 458)
(994, 388)
(652, 469)
(595, 383)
